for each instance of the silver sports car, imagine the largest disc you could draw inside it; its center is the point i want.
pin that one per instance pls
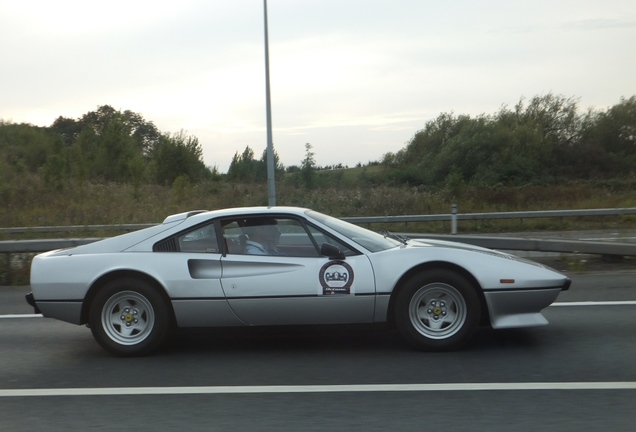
(283, 266)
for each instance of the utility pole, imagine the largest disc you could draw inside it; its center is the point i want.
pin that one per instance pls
(271, 173)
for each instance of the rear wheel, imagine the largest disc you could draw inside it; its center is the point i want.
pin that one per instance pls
(437, 310)
(128, 317)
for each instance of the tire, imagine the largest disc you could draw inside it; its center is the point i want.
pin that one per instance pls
(437, 310)
(128, 317)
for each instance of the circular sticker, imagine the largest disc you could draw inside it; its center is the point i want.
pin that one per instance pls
(336, 277)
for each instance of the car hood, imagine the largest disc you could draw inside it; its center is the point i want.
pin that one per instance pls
(444, 243)
(467, 247)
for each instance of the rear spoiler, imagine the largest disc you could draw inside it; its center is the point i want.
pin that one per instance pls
(182, 216)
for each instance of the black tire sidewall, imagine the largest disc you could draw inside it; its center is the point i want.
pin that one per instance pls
(465, 289)
(160, 310)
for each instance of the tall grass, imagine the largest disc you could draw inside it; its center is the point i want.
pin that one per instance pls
(32, 203)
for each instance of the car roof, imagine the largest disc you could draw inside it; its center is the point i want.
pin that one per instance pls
(196, 216)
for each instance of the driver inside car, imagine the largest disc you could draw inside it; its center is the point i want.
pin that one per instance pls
(263, 235)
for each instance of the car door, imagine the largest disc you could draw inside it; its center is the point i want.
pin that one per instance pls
(192, 262)
(294, 284)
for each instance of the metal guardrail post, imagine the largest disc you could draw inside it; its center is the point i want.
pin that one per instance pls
(454, 219)
(8, 272)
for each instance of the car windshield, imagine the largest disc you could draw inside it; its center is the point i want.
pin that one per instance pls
(369, 240)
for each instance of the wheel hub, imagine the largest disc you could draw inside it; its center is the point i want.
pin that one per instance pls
(129, 317)
(436, 309)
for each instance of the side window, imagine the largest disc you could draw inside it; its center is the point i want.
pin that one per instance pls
(294, 239)
(321, 238)
(268, 236)
(234, 237)
(201, 239)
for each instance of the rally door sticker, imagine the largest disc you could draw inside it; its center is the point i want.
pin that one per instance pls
(336, 277)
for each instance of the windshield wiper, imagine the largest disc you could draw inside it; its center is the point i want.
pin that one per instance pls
(402, 239)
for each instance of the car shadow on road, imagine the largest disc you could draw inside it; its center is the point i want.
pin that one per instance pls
(369, 337)
(284, 338)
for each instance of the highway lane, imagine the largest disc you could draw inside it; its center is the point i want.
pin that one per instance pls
(586, 343)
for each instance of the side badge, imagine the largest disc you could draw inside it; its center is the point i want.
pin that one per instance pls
(336, 277)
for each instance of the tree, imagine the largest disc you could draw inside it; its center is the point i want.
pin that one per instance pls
(24, 146)
(145, 134)
(308, 167)
(116, 150)
(279, 169)
(68, 128)
(178, 155)
(244, 167)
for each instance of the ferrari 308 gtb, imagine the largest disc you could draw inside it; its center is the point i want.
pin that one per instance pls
(285, 266)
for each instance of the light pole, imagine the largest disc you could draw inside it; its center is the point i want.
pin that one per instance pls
(271, 174)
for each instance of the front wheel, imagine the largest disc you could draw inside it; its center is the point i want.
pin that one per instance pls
(128, 317)
(437, 310)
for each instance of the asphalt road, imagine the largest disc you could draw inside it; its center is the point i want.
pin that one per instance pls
(578, 373)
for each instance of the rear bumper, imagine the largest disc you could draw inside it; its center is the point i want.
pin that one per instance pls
(566, 284)
(31, 301)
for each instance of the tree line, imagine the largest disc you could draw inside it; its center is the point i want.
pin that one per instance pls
(246, 168)
(102, 145)
(540, 141)
(543, 140)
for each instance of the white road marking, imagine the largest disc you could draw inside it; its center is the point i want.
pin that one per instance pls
(22, 316)
(360, 388)
(596, 303)
(611, 239)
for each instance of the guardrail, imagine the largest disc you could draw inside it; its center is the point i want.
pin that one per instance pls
(452, 216)
(37, 246)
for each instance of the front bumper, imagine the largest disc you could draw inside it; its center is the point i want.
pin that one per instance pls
(519, 308)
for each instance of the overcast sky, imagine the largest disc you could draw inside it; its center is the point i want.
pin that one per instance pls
(355, 78)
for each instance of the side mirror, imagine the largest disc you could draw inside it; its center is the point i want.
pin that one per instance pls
(331, 251)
